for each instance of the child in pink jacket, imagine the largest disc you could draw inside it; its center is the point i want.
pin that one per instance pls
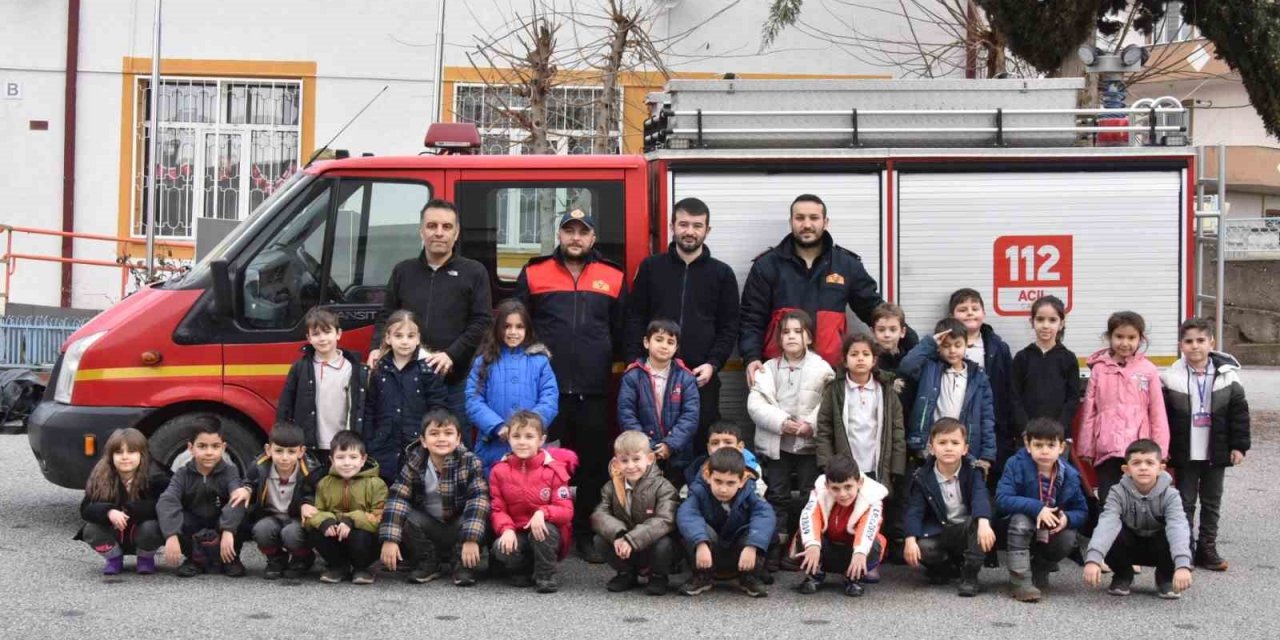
(1124, 402)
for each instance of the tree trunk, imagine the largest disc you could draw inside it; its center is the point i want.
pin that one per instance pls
(607, 108)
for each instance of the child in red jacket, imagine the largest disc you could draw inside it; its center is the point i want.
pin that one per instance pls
(532, 508)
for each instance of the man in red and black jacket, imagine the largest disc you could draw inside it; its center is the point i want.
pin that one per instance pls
(575, 299)
(808, 271)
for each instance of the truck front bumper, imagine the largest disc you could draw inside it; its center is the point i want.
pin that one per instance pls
(57, 434)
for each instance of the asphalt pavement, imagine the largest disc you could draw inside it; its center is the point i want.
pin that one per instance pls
(52, 585)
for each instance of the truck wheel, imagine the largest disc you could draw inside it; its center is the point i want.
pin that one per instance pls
(169, 442)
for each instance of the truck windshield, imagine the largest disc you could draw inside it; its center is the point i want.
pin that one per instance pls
(249, 226)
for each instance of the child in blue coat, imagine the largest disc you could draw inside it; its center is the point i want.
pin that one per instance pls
(949, 386)
(511, 373)
(659, 397)
(402, 390)
(726, 527)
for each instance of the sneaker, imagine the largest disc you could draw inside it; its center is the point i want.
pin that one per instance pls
(189, 569)
(854, 589)
(545, 584)
(146, 565)
(234, 569)
(113, 566)
(873, 576)
(521, 580)
(298, 566)
(699, 582)
(624, 581)
(333, 576)
(789, 563)
(276, 565)
(363, 576)
(657, 586)
(1120, 587)
(1165, 591)
(751, 585)
(464, 577)
(808, 586)
(587, 549)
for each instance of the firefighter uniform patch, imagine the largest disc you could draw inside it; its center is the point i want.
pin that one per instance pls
(835, 278)
(601, 285)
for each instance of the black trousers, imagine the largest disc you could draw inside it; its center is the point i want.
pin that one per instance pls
(778, 476)
(724, 558)
(1204, 483)
(357, 552)
(708, 413)
(837, 557)
(957, 545)
(530, 553)
(429, 542)
(582, 426)
(200, 539)
(1109, 475)
(656, 558)
(138, 537)
(1131, 549)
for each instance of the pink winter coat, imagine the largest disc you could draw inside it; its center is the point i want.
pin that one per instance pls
(1123, 404)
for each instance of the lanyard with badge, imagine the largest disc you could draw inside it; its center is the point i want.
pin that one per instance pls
(1202, 419)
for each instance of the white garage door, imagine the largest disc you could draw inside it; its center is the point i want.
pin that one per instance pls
(1111, 240)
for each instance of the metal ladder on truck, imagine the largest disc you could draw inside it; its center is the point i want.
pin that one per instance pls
(1209, 230)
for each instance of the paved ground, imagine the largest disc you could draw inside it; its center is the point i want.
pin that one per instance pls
(52, 585)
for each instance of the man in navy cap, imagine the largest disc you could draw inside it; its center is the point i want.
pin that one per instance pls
(575, 298)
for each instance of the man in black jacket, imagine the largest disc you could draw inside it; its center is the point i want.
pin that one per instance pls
(698, 292)
(575, 299)
(449, 294)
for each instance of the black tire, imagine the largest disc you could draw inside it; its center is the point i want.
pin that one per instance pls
(169, 441)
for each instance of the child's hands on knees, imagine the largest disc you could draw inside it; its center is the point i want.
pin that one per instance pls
(119, 519)
(986, 537)
(1048, 518)
(342, 531)
(911, 552)
(228, 546)
(507, 541)
(812, 560)
(622, 549)
(470, 554)
(702, 559)
(857, 566)
(172, 551)
(747, 561)
(1093, 574)
(538, 525)
(390, 555)
(1181, 580)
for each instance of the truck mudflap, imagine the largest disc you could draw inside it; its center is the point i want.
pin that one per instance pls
(57, 432)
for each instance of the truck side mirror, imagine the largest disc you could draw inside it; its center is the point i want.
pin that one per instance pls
(222, 299)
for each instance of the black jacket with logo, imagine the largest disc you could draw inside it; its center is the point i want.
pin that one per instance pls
(701, 296)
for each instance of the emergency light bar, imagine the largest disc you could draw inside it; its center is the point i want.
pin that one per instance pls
(453, 138)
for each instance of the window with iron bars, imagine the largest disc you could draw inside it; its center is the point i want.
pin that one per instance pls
(571, 118)
(224, 146)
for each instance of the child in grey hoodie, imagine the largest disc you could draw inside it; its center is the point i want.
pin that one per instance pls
(1142, 524)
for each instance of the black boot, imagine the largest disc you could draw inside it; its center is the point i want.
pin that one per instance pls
(969, 586)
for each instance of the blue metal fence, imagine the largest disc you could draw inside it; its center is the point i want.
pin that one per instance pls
(33, 341)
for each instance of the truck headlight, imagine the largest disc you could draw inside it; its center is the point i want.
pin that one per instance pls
(71, 364)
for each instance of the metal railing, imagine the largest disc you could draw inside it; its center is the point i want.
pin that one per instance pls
(34, 341)
(1252, 238)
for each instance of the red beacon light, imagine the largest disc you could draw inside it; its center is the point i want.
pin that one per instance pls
(448, 138)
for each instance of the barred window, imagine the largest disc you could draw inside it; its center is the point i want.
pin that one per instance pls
(224, 145)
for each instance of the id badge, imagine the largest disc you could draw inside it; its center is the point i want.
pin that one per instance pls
(1201, 420)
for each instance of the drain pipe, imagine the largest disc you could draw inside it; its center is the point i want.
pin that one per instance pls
(69, 147)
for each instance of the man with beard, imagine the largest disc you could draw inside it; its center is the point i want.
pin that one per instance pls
(808, 271)
(575, 299)
(686, 285)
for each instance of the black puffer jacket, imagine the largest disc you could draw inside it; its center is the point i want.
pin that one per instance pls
(298, 400)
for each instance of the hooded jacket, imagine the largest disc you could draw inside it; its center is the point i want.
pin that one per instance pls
(579, 319)
(520, 378)
(1159, 512)
(519, 488)
(464, 494)
(749, 517)
(650, 516)
(701, 296)
(203, 496)
(257, 481)
(395, 405)
(297, 402)
(357, 501)
(675, 425)
(864, 522)
(978, 412)
(762, 403)
(780, 281)
(1019, 490)
(1122, 404)
(927, 511)
(833, 438)
(1228, 410)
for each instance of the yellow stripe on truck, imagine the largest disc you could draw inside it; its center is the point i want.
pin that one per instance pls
(254, 370)
(188, 371)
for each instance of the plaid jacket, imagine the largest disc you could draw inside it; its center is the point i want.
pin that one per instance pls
(464, 493)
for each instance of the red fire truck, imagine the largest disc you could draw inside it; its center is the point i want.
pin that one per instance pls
(1103, 228)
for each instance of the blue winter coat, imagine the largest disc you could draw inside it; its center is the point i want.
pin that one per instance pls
(394, 406)
(680, 406)
(927, 511)
(749, 515)
(978, 412)
(1019, 490)
(520, 379)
